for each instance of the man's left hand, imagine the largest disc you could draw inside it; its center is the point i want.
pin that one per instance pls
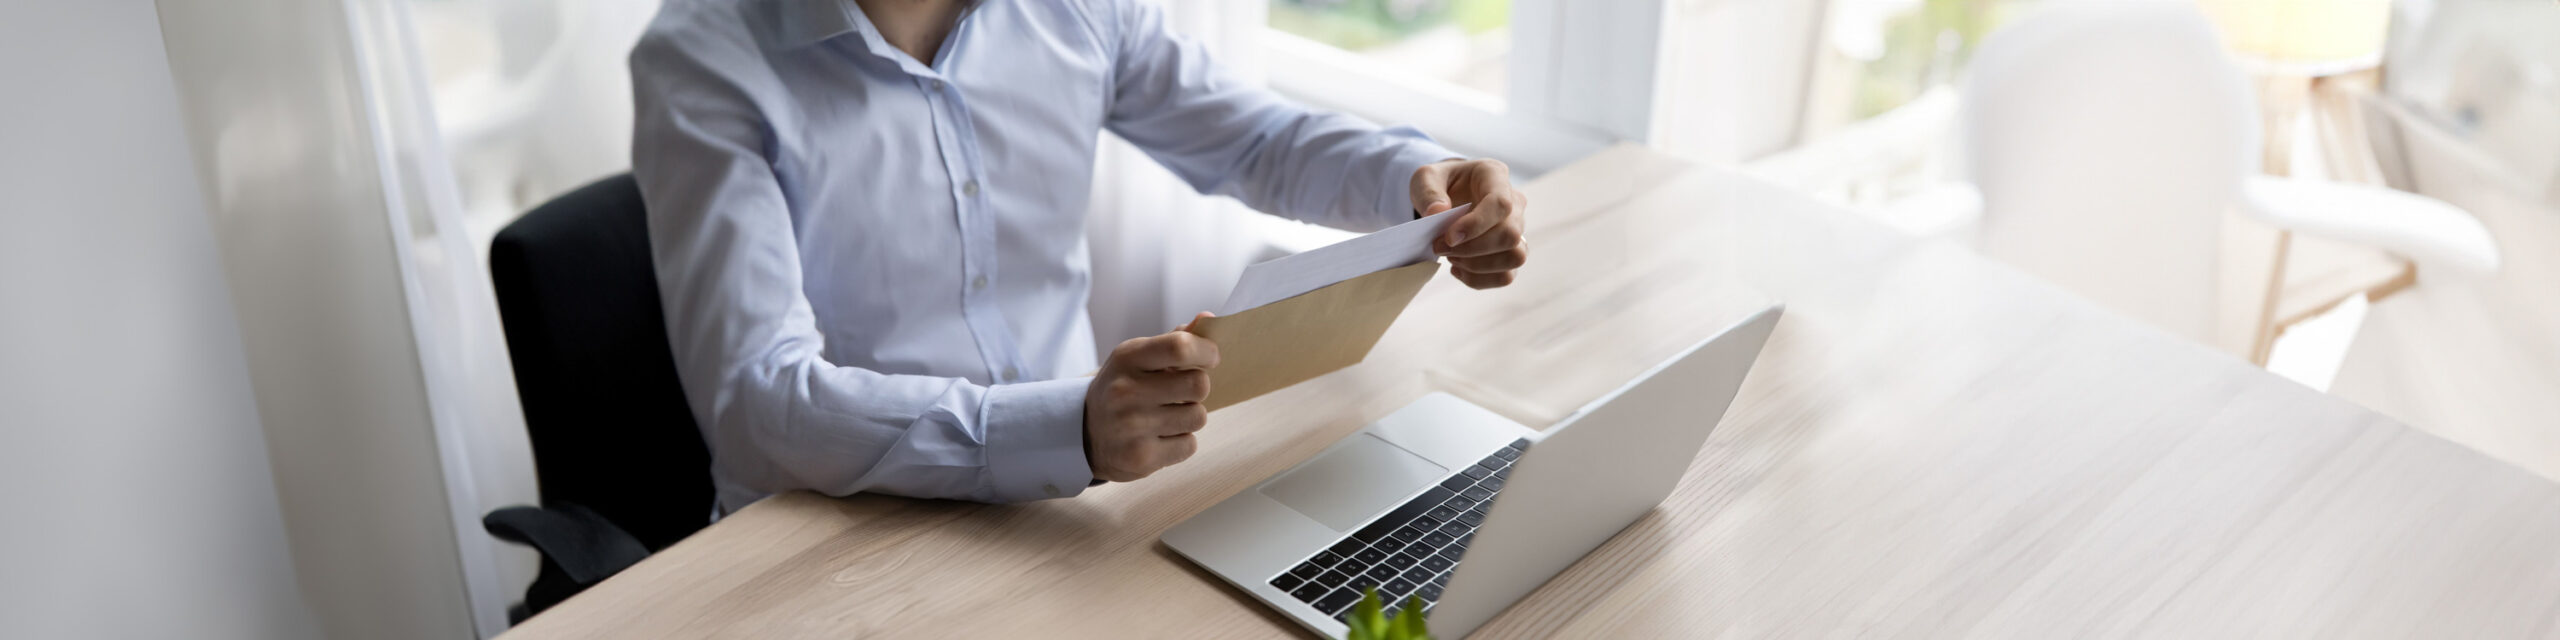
(1485, 244)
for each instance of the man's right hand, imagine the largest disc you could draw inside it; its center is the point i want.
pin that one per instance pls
(1145, 403)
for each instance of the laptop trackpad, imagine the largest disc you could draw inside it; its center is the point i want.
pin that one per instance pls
(1346, 485)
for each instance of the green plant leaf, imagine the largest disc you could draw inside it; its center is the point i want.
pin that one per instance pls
(1409, 624)
(1369, 620)
(1370, 613)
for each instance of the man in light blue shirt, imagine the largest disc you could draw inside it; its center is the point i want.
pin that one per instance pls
(868, 221)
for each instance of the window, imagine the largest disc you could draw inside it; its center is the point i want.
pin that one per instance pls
(1883, 54)
(1875, 122)
(1522, 80)
(1465, 43)
(1540, 83)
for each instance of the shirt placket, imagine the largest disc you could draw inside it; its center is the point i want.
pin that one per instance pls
(978, 258)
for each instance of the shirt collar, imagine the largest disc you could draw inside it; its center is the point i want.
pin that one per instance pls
(800, 23)
(808, 22)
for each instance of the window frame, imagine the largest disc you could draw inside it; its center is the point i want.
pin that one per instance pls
(1579, 81)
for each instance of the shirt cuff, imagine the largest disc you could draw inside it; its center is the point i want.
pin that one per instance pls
(1035, 440)
(1395, 195)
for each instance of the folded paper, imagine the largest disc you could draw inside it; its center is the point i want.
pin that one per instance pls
(1270, 347)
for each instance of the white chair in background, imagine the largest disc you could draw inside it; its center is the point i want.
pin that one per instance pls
(2108, 139)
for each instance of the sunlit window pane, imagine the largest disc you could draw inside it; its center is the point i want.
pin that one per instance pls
(1463, 42)
(1891, 51)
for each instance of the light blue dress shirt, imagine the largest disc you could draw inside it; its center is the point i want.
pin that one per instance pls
(874, 269)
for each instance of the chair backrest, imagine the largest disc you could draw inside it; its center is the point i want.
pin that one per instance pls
(607, 416)
(2108, 139)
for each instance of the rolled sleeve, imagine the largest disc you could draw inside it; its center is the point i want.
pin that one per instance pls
(1035, 440)
(1225, 136)
(1395, 190)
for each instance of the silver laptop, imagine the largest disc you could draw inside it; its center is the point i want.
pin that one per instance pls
(1469, 510)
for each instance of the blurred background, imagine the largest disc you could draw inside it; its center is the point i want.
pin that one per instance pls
(268, 220)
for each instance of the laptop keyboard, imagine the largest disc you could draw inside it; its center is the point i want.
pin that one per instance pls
(1409, 551)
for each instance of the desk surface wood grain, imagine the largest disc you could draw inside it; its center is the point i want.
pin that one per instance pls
(1932, 445)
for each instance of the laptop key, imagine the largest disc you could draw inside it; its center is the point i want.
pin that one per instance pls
(1441, 514)
(1491, 464)
(1478, 494)
(1306, 570)
(1437, 563)
(1359, 583)
(1519, 445)
(1457, 483)
(1420, 574)
(1389, 544)
(1352, 566)
(1460, 503)
(1345, 548)
(1337, 601)
(1457, 533)
(1395, 590)
(1479, 473)
(1437, 539)
(1332, 579)
(1302, 590)
(1369, 556)
(1402, 561)
(1507, 453)
(1407, 534)
(1430, 593)
(1493, 483)
(1388, 523)
(1325, 559)
(1383, 573)
(1472, 518)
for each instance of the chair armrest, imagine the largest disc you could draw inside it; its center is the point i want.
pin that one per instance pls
(579, 549)
(2417, 227)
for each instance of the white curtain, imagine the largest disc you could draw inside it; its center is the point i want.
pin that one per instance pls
(532, 97)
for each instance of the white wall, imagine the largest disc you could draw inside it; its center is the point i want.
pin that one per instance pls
(132, 466)
(366, 321)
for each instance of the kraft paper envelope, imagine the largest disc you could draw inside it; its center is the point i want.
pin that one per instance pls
(1267, 348)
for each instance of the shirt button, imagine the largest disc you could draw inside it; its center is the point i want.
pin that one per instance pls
(1012, 374)
(980, 283)
(937, 85)
(969, 188)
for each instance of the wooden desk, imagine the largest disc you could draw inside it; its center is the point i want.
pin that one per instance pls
(1932, 445)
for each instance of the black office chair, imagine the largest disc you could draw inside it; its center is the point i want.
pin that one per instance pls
(624, 471)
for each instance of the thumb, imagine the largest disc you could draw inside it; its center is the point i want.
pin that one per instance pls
(1430, 190)
(1429, 201)
(1195, 320)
